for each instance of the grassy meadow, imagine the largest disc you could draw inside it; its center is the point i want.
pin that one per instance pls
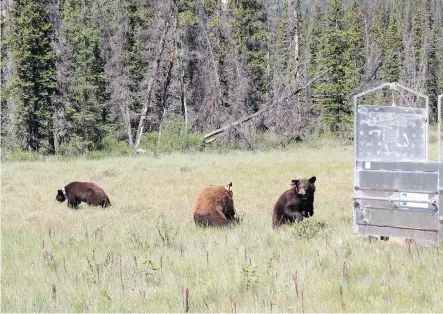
(145, 254)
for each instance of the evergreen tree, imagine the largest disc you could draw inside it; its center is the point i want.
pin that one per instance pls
(432, 79)
(88, 110)
(392, 49)
(354, 55)
(341, 49)
(32, 81)
(279, 51)
(249, 31)
(317, 44)
(418, 33)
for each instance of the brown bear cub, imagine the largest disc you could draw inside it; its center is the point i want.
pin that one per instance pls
(214, 206)
(296, 203)
(77, 192)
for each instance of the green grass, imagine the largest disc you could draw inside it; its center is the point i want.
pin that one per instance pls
(141, 254)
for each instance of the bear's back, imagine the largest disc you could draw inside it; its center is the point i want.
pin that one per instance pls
(210, 198)
(83, 187)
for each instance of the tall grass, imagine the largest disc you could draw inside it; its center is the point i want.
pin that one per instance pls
(144, 254)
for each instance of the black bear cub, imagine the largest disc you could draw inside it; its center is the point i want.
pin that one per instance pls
(296, 203)
(77, 192)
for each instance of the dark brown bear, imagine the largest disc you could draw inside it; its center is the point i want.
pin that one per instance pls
(214, 206)
(77, 192)
(296, 203)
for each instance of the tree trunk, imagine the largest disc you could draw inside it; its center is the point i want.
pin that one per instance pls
(168, 78)
(153, 74)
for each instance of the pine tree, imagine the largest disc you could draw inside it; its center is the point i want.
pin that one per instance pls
(392, 49)
(88, 110)
(249, 31)
(432, 79)
(32, 82)
(279, 51)
(317, 45)
(418, 35)
(354, 56)
(340, 48)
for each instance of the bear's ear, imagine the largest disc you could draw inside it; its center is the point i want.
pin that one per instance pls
(60, 192)
(229, 187)
(312, 180)
(294, 182)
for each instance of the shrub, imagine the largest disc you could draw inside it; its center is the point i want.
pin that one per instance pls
(76, 146)
(307, 229)
(114, 146)
(173, 138)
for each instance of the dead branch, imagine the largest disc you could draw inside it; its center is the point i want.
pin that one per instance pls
(207, 137)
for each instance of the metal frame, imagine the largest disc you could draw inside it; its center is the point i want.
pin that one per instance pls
(439, 124)
(380, 185)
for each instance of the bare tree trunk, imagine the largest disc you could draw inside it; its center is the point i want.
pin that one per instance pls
(183, 93)
(168, 78)
(296, 38)
(213, 63)
(151, 80)
(183, 100)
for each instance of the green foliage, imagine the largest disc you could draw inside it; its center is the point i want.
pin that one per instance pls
(32, 81)
(307, 229)
(139, 17)
(173, 138)
(249, 276)
(215, 21)
(249, 31)
(148, 266)
(115, 146)
(87, 112)
(341, 49)
(168, 234)
(392, 48)
(76, 146)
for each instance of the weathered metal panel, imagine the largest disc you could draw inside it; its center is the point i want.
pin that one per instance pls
(391, 133)
(440, 199)
(408, 181)
(419, 235)
(424, 166)
(396, 199)
(403, 218)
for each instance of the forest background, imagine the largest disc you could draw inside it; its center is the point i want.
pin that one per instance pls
(83, 77)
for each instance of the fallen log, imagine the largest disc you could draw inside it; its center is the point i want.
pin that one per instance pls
(207, 138)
